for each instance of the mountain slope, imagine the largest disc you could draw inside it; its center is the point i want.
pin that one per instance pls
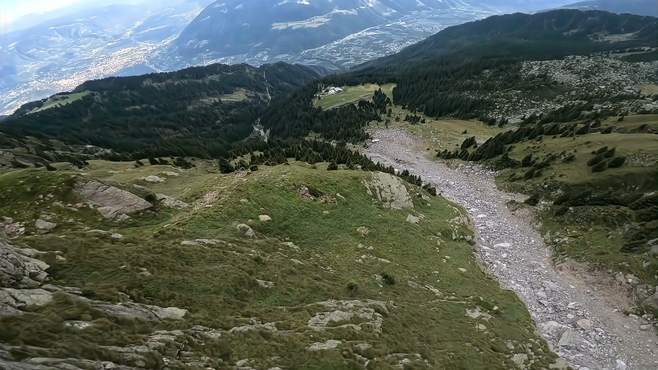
(256, 32)
(288, 266)
(547, 34)
(59, 54)
(639, 7)
(197, 110)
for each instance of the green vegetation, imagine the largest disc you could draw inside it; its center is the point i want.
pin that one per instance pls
(328, 238)
(597, 182)
(351, 94)
(60, 100)
(200, 111)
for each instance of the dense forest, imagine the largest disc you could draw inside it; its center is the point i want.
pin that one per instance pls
(198, 111)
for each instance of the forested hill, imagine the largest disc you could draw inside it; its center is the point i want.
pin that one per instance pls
(197, 111)
(543, 35)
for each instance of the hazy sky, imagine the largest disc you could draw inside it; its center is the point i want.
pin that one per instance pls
(10, 10)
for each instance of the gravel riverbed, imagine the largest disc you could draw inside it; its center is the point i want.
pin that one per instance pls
(580, 323)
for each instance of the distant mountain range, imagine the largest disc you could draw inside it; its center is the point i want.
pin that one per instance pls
(61, 53)
(123, 40)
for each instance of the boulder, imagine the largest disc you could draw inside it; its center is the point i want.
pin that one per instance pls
(390, 191)
(18, 270)
(44, 226)
(584, 324)
(323, 346)
(21, 298)
(246, 230)
(413, 219)
(111, 202)
(264, 218)
(153, 179)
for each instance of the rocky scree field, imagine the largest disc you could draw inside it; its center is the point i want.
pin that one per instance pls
(290, 266)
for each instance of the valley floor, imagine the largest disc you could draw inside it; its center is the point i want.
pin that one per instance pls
(583, 323)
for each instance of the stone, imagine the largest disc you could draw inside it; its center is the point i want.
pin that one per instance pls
(153, 179)
(44, 226)
(390, 191)
(264, 218)
(412, 219)
(584, 324)
(323, 346)
(190, 243)
(569, 338)
(111, 202)
(20, 270)
(116, 236)
(519, 359)
(170, 313)
(364, 231)
(171, 202)
(21, 298)
(552, 328)
(246, 230)
(265, 284)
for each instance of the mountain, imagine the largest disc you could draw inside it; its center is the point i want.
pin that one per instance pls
(198, 110)
(94, 42)
(335, 34)
(540, 35)
(639, 7)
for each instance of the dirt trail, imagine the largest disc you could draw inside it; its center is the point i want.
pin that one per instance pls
(580, 322)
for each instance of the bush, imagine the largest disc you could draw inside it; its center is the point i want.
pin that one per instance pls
(332, 166)
(388, 278)
(610, 153)
(617, 162)
(533, 200)
(225, 166)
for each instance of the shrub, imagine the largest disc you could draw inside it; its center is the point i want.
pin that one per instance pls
(388, 278)
(332, 166)
(225, 166)
(610, 153)
(560, 210)
(533, 200)
(617, 162)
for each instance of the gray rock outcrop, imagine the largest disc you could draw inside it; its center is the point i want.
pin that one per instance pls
(111, 202)
(390, 191)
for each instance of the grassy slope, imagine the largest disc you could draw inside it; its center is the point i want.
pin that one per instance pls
(351, 94)
(587, 234)
(60, 101)
(595, 233)
(218, 283)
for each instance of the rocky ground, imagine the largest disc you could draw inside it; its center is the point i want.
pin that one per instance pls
(584, 323)
(613, 84)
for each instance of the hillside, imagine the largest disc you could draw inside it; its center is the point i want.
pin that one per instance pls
(543, 35)
(197, 111)
(638, 7)
(238, 270)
